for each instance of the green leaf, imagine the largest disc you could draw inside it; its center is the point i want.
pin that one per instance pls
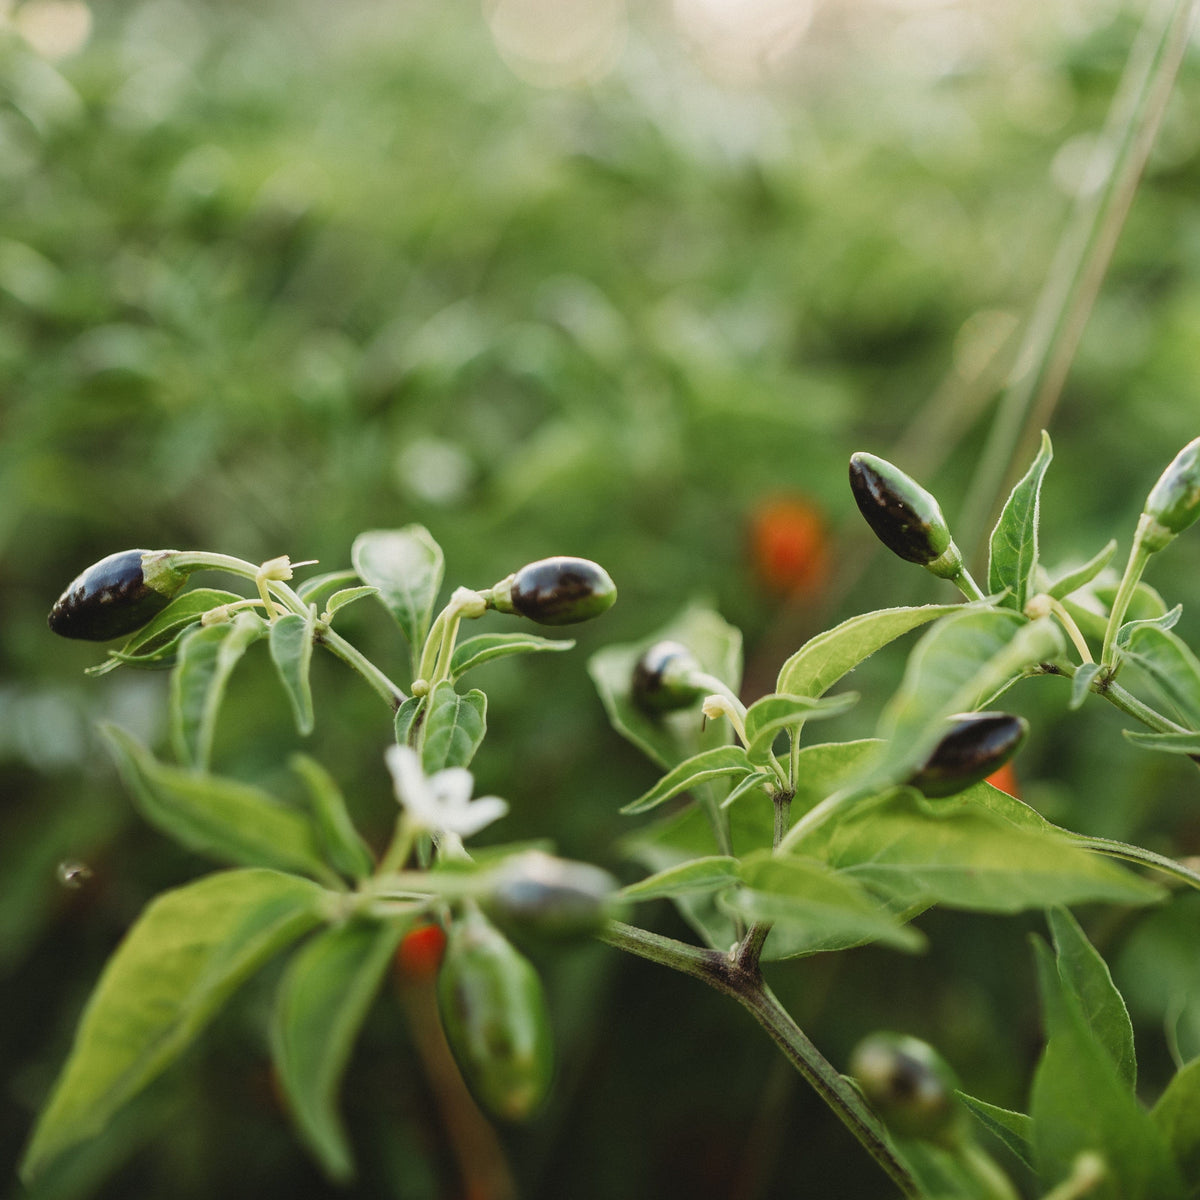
(322, 1002)
(339, 840)
(291, 641)
(1171, 743)
(700, 768)
(964, 854)
(487, 647)
(407, 716)
(1177, 1115)
(454, 727)
(707, 874)
(1167, 621)
(222, 818)
(340, 600)
(1072, 581)
(406, 566)
(669, 738)
(154, 644)
(812, 908)
(1081, 683)
(174, 969)
(767, 717)
(1014, 544)
(1170, 664)
(964, 661)
(751, 782)
(1014, 1129)
(1080, 1103)
(1085, 974)
(207, 657)
(316, 589)
(826, 658)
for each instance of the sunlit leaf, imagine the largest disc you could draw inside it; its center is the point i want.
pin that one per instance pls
(488, 647)
(706, 874)
(769, 716)
(1014, 542)
(700, 768)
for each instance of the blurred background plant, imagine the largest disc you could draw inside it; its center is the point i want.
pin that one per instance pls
(628, 282)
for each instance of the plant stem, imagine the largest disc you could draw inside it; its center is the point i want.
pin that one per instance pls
(1128, 703)
(1138, 557)
(749, 990)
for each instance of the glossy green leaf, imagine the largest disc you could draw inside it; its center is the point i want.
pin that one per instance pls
(1177, 1115)
(1087, 976)
(155, 644)
(1014, 1129)
(1082, 682)
(812, 908)
(706, 874)
(1014, 542)
(174, 969)
(964, 854)
(316, 589)
(700, 768)
(752, 782)
(960, 664)
(454, 727)
(291, 642)
(407, 717)
(225, 819)
(1078, 577)
(406, 566)
(1170, 664)
(826, 658)
(207, 657)
(669, 738)
(343, 848)
(322, 1002)
(488, 647)
(769, 716)
(340, 600)
(1080, 1103)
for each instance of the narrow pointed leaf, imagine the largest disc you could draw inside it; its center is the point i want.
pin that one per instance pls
(826, 658)
(1170, 664)
(170, 975)
(771, 715)
(406, 566)
(322, 1002)
(1080, 577)
(488, 647)
(1014, 1129)
(344, 849)
(407, 716)
(1168, 620)
(340, 600)
(1177, 1115)
(207, 657)
(291, 642)
(316, 589)
(454, 727)
(700, 768)
(1087, 976)
(1014, 544)
(224, 819)
(706, 874)
(1170, 743)
(1081, 684)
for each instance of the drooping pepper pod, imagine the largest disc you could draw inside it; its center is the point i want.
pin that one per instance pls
(665, 678)
(117, 595)
(976, 745)
(910, 1086)
(551, 897)
(1174, 501)
(494, 1014)
(556, 591)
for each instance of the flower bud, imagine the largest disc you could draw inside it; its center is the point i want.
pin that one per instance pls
(116, 596)
(909, 1085)
(550, 896)
(662, 678)
(556, 591)
(977, 745)
(1174, 501)
(494, 1015)
(902, 514)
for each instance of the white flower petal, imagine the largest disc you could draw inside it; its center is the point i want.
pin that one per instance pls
(475, 816)
(452, 786)
(412, 788)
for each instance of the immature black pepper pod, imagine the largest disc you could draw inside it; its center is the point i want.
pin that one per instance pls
(1174, 501)
(976, 745)
(494, 1014)
(116, 596)
(909, 1085)
(547, 896)
(556, 591)
(902, 514)
(662, 678)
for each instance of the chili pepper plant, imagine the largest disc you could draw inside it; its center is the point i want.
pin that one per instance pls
(773, 844)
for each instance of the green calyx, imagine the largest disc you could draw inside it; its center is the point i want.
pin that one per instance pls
(902, 514)
(1174, 501)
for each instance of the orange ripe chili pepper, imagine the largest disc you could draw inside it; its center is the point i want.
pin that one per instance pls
(420, 952)
(1006, 780)
(789, 545)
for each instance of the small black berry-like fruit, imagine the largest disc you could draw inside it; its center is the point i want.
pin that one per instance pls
(663, 678)
(902, 514)
(113, 597)
(909, 1085)
(977, 745)
(557, 591)
(537, 893)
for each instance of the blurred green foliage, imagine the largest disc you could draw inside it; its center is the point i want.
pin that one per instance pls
(271, 275)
